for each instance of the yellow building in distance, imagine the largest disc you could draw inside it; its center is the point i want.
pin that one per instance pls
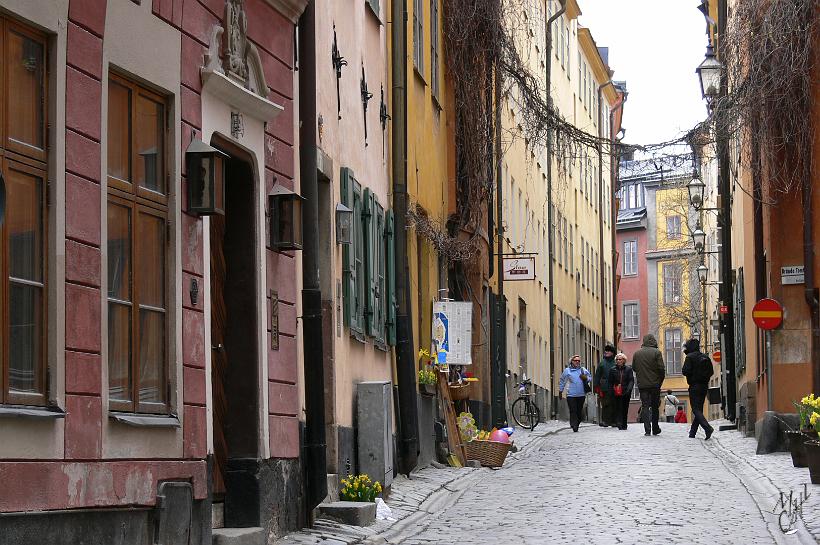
(577, 215)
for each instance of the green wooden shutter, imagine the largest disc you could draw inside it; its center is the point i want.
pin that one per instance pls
(379, 251)
(390, 297)
(370, 262)
(359, 238)
(348, 253)
(374, 5)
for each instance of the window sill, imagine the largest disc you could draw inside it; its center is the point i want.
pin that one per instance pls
(37, 413)
(419, 75)
(145, 420)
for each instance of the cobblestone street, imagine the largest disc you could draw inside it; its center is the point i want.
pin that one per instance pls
(597, 486)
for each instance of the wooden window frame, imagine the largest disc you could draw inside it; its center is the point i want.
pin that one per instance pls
(31, 161)
(672, 354)
(144, 201)
(672, 291)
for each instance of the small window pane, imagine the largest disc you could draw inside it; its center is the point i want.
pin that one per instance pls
(119, 125)
(152, 356)
(25, 334)
(119, 252)
(24, 65)
(151, 261)
(24, 194)
(149, 131)
(119, 351)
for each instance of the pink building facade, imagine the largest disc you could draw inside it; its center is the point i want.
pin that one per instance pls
(148, 353)
(631, 243)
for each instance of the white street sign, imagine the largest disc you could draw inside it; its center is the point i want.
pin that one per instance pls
(792, 274)
(519, 268)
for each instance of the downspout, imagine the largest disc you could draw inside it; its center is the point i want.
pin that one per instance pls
(499, 383)
(315, 469)
(405, 354)
(614, 173)
(601, 262)
(550, 206)
(810, 290)
(726, 287)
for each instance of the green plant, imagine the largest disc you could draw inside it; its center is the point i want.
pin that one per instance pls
(427, 376)
(359, 488)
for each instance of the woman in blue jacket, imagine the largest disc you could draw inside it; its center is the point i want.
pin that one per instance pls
(577, 381)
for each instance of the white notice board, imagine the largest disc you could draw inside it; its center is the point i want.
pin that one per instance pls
(453, 331)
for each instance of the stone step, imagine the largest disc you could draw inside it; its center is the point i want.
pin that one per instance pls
(238, 536)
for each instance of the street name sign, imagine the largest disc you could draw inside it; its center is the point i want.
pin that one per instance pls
(793, 274)
(767, 314)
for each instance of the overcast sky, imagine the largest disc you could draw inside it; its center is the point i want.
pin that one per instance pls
(655, 46)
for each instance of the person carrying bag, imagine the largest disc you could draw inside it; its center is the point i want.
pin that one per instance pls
(621, 381)
(577, 380)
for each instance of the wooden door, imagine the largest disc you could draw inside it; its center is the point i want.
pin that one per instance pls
(219, 355)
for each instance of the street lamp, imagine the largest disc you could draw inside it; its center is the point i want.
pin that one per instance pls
(285, 218)
(696, 189)
(709, 73)
(699, 238)
(703, 273)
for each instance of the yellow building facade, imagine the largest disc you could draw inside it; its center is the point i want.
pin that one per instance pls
(578, 212)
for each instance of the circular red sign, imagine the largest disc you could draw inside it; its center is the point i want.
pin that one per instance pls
(767, 314)
(716, 356)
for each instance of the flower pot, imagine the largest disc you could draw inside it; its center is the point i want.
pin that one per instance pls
(813, 459)
(797, 448)
(427, 389)
(811, 433)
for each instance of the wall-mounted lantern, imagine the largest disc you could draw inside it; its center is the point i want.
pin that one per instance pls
(344, 224)
(709, 74)
(703, 273)
(206, 179)
(699, 239)
(285, 218)
(696, 189)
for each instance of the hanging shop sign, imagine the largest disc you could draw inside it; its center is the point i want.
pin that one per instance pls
(519, 268)
(453, 332)
(767, 314)
(792, 274)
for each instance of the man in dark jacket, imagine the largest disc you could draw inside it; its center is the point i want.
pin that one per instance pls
(649, 372)
(606, 405)
(697, 368)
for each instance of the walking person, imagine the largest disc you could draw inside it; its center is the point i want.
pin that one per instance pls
(680, 416)
(670, 402)
(647, 363)
(621, 382)
(601, 386)
(576, 379)
(697, 368)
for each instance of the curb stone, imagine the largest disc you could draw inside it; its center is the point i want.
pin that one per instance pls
(762, 489)
(428, 491)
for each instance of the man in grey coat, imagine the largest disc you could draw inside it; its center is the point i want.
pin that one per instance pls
(649, 372)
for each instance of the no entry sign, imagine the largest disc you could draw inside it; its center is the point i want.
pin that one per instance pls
(767, 314)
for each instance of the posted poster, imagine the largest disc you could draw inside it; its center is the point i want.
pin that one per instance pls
(453, 332)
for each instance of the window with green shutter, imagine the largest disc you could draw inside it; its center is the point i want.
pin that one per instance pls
(353, 256)
(379, 259)
(390, 278)
(370, 266)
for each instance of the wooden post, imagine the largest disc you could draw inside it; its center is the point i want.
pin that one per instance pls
(453, 437)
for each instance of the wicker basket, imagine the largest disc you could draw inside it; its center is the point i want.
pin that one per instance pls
(489, 453)
(459, 392)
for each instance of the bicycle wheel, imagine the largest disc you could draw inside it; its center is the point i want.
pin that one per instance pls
(535, 416)
(522, 412)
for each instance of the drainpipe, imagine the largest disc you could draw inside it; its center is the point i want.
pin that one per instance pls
(498, 388)
(601, 262)
(315, 448)
(550, 206)
(613, 186)
(810, 290)
(726, 286)
(408, 423)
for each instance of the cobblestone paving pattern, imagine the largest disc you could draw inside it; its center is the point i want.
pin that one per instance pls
(604, 486)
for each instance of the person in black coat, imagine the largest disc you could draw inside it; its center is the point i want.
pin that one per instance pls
(621, 382)
(697, 368)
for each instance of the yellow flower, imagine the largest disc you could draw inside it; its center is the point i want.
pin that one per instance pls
(813, 418)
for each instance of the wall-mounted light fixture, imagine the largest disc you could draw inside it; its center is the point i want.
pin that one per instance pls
(344, 224)
(285, 218)
(703, 273)
(206, 179)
